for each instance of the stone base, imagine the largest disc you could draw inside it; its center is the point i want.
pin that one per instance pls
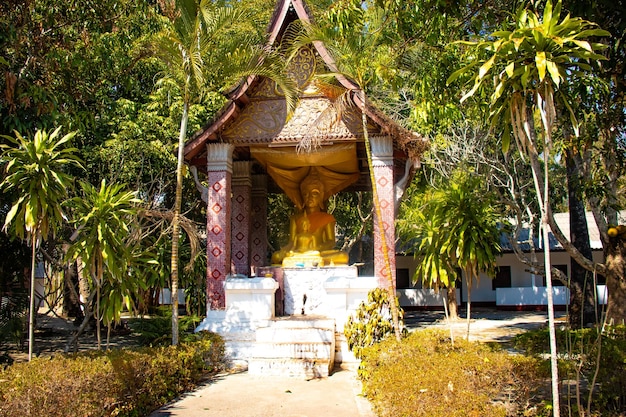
(306, 346)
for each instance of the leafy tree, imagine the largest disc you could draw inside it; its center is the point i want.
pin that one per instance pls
(597, 155)
(530, 64)
(193, 43)
(66, 62)
(102, 217)
(35, 173)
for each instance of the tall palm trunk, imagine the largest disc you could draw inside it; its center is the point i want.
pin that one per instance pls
(383, 239)
(31, 312)
(176, 220)
(544, 200)
(100, 275)
(470, 273)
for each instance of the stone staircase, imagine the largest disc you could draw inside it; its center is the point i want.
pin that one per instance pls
(295, 346)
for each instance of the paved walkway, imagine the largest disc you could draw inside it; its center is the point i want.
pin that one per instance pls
(242, 394)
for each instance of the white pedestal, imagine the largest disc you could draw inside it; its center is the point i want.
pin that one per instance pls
(309, 282)
(249, 305)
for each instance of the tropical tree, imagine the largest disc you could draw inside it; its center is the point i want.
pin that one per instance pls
(458, 226)
(531, 64)
(101, 242)
(195, 42)
(36, 174)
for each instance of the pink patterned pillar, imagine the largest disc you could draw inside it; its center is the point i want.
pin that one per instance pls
(218, 222)
(382, 158)
(242, 186)
(258, 231)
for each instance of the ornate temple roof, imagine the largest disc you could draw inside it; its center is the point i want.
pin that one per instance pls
(255, 114)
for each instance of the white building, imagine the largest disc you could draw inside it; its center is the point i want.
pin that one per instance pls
(513, 287)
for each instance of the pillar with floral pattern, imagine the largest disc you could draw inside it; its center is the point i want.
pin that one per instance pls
(219, 174)
(242, 188)
(382, 160)
(258, 229)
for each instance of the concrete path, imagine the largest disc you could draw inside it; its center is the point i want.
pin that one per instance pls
(242, 394)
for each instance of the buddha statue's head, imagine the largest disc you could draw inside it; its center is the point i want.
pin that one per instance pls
(312, 191)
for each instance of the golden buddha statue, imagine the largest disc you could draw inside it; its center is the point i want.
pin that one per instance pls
(311, 232)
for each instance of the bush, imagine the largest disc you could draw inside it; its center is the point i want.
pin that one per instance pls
(583, 356)
(13, 320)
(157, 330)
(371, 322)
(121, 382)
(426, 375)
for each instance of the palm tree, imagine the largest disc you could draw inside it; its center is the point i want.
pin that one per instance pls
(454, 226)
(359, 50)
(35, 172)
(468, 220)
(194, 43)
(102, 217)
(530, 65)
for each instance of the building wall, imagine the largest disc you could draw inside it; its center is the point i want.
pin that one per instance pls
(483, 291)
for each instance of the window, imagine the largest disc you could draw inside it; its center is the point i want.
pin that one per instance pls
(403, 278)
(502, 278)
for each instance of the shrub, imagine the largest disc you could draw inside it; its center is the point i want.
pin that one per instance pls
(585, 357)
(13, 320)
(121, 382)
(371, 321)
(157, 330)
(425, 375)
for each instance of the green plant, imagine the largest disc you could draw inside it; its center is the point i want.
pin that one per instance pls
(590, 359)
(425, 375)
(13, 319)
(121, 382)
(36, 175)
(157, 329)
(371, 322)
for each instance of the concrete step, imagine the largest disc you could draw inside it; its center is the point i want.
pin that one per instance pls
(299, 346)
(292, 335)
(294, 350)
(298, 368)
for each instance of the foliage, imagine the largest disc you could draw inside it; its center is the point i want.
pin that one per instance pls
(101, 242)
(371, 322)
(36, 174)
(122, 382)
(425, 375)
(535, 58)
(454, 225)
(156, 329)
(66, 62)
(353, 211)
(13, 293)
(529, 68)
(584, 352)
(36, 171)
(13, 317)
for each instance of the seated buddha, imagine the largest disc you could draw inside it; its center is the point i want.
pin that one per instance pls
(311, 232)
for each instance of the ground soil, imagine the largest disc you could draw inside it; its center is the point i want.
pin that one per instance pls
(53, 332)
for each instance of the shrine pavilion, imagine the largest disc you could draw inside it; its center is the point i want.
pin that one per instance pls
(250, 150)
